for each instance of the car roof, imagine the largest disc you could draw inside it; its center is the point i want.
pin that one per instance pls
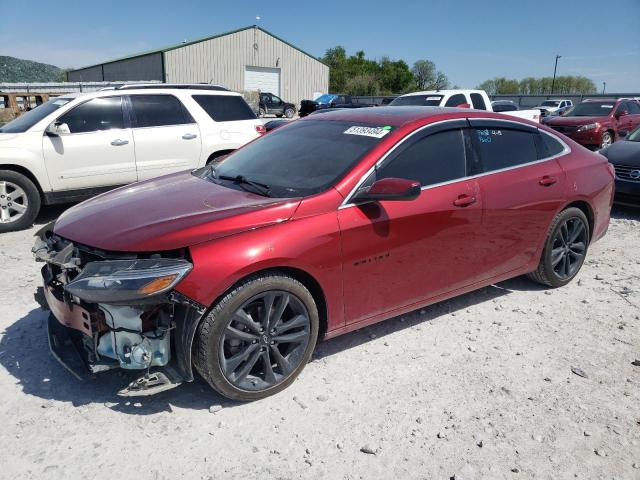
(602, 100)
(147, 91)
(400, 116)
(442, 92)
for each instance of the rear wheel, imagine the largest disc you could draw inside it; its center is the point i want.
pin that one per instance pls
(262, 112)
(564, 250)
(19, 201)
(258, 338)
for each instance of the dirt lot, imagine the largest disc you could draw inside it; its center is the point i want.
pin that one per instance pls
(477, 387)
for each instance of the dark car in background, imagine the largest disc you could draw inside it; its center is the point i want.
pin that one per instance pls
(328, 100)
(625, 158)
(271, 104)
(598, 123)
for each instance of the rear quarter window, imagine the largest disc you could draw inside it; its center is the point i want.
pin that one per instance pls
(550, 146)
(225, 108)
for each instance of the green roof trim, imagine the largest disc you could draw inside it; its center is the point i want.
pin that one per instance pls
(191, 42)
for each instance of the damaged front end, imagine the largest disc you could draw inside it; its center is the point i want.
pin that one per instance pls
(118, 310)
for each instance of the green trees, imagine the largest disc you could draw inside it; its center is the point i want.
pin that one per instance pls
(539, 86)
(357, 75)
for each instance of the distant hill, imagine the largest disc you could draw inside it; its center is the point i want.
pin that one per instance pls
(14, 70)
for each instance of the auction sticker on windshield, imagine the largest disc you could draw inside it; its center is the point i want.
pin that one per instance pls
(376, 132)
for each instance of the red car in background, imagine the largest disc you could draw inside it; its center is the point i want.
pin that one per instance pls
(598, 123)
(321, 227)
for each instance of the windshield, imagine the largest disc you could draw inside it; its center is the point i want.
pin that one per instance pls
(301, 159)
(634, 136)
(591, 109)
(27, 120)
(326, 98)
(550, 103)
(419, 100)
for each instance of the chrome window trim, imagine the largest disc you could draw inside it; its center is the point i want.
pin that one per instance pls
(566, 150)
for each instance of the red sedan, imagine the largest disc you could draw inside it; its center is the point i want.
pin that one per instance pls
(321, 227)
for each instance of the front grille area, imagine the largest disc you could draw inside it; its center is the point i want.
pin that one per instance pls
(564, 128)
(625, 172)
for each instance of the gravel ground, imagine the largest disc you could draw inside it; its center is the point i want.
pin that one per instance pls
(477, 387)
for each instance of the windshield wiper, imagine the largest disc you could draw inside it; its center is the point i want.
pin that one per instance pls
(259, 188)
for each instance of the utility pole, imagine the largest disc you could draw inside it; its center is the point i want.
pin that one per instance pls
(553, 82)
(604, 87)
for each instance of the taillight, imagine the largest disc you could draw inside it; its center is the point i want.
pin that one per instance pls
(261, 130)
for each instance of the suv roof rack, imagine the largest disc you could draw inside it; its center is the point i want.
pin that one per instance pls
(185, 86)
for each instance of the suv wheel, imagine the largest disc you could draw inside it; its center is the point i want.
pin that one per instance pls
(19, 201)
(289, 112)
(607, 139)
(564, 249)
(261, 112)
(258, 338)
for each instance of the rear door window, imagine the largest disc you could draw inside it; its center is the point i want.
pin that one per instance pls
(455, 100)
(225, 108)
(478, 101)
(159, 111)
(436, 158)
(97, 114)
(501, 147)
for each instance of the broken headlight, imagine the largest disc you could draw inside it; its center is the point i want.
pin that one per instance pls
(116, 281)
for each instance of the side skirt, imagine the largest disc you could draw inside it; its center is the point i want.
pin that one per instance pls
(71, 196)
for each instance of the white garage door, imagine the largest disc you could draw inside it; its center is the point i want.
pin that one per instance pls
(263, 79)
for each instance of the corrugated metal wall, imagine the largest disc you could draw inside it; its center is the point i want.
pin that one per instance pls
(222, 60)
(90, 74)
(148, 67)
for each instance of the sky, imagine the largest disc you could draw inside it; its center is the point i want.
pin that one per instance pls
(470, 41)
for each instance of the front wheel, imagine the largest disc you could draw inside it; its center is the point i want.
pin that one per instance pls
(19, 201)
(564, 250)
(607, 139)
(258, 338)
(289, 112)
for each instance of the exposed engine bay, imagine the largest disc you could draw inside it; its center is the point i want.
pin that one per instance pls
(118, 310)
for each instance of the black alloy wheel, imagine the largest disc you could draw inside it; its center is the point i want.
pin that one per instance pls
(569, 247)
(564, 250)
(265, 340)
(257, 339)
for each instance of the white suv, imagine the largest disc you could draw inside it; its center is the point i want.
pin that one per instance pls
(75, 146)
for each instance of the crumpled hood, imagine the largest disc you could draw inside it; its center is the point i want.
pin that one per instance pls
(167, 213)
(575, 120)
(623, 153)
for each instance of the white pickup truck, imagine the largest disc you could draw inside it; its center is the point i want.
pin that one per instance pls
(477, 99)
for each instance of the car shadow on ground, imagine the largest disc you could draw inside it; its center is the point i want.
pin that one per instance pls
(24, 353)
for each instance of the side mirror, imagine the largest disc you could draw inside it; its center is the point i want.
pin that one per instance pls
(389, 189)
(57, 129)
(463, 105)
(622, 113)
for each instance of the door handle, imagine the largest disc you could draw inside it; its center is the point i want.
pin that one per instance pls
(118, 143)
(464, 200)
(189, 136)
(547, 181)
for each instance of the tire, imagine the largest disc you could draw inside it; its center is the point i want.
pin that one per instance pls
(261, 112)
(607, 139)
(232, 354)
(289, 112)
(553, 270)
(19, 201)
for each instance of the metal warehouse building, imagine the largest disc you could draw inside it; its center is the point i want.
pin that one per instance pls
(247, 59)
